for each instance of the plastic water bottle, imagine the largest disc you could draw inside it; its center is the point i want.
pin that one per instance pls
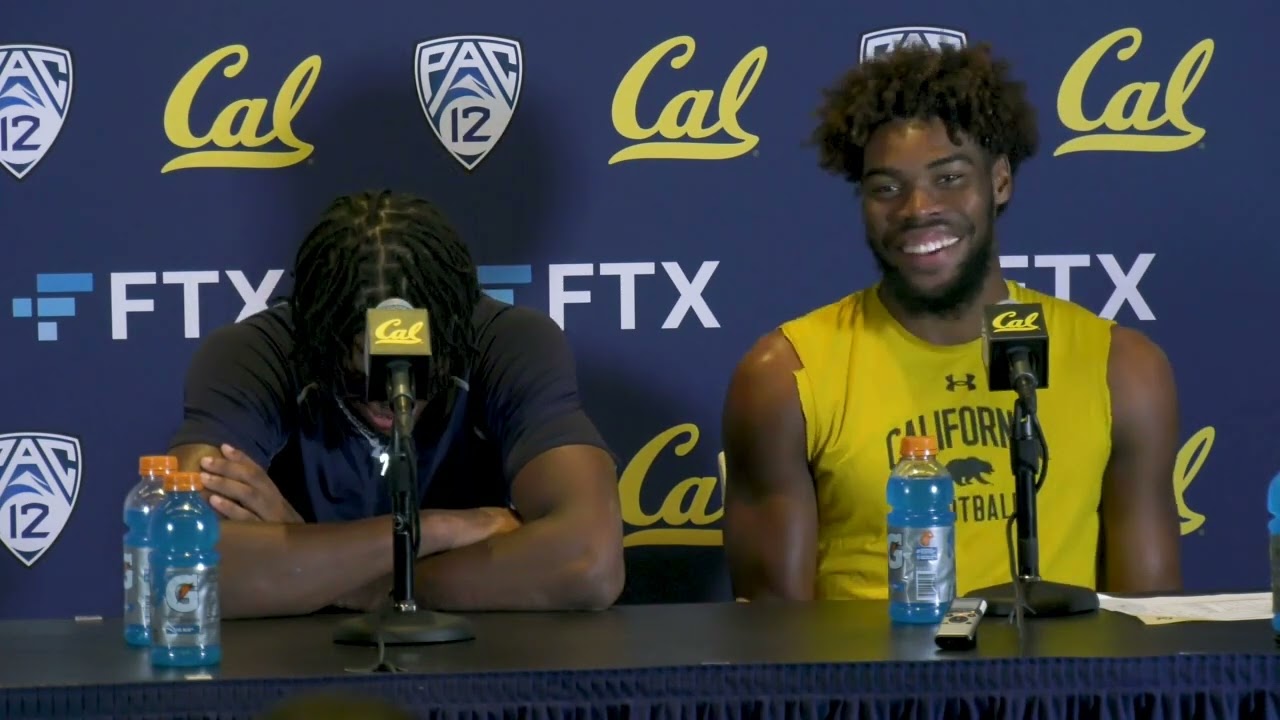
(138, 506)
(922, 525)
(1273, 506)
(186, 618)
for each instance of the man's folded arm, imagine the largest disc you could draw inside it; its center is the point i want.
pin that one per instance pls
(288, 569)
(770, 513)
(237, 393)
(567, 553)
(269, 569)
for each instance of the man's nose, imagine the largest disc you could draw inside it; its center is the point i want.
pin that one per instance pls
(920, 204)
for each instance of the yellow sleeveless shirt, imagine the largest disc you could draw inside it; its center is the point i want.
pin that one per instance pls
(866, 382)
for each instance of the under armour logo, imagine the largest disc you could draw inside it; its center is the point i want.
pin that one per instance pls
(953, 383)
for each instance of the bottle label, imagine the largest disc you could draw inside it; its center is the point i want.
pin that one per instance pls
(922, 564)
(186, 612)
(137, 586)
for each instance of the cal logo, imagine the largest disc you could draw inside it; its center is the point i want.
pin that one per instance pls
(700, 124)
(1134, 113)
(35, 91)
(469, 86)
(252, 133)
(39, 483)
(878, 43)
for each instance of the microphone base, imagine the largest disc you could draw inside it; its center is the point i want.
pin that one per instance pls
(1041, 599)
(412, 627)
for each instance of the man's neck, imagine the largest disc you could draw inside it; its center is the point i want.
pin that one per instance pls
(959, 326)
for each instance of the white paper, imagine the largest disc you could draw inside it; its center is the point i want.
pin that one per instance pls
(1197, 608)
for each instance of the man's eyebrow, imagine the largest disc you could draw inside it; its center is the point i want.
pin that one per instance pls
(954, 157)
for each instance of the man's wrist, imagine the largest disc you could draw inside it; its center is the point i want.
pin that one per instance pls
(440, 530)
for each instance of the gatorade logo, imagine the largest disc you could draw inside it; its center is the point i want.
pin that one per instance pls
(1010, 322)
(180, 593)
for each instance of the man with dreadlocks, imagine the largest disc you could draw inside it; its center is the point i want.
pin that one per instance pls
(817, 408)
(519, 491)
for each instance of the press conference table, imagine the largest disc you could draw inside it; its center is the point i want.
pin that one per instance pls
(703, 662)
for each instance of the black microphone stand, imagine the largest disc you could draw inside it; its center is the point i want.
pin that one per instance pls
(402, 623)
(1036, 596)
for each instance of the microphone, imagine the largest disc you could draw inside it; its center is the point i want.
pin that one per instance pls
(397, 343)
(397, 337)
(1016, 349)
(1015, 342)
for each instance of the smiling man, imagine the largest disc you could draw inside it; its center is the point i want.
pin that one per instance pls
(816, 410)
(519, 492)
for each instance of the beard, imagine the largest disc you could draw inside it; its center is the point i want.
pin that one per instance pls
(955, 295)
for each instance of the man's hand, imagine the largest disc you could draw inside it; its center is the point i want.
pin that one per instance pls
(485, 523)
(442, 531)
(445, 530)
(240, 490)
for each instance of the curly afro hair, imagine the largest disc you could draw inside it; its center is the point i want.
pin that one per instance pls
(968, 90)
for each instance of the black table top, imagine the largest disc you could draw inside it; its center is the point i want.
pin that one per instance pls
(70, 653)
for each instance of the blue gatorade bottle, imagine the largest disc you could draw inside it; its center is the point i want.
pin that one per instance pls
(922, 525)
(1273, 506)
(138, 506)
(186, 619)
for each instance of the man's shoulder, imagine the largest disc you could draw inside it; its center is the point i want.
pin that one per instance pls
(274, 321)
(265, 336)
(811, 335)
(829, 316)
(517, 348)
(498, 324)
(797, 343)
(1060, 310)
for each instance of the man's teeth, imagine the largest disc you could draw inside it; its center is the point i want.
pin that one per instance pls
(931, 246)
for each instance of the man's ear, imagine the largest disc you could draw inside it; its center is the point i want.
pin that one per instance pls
(1001, 181)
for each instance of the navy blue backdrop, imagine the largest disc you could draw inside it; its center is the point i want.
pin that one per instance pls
(643, 175)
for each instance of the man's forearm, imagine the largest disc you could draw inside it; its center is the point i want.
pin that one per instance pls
(290, 569)
(547, 564)
(270, 569)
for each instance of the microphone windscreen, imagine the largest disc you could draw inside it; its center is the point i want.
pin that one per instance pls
(394, 303)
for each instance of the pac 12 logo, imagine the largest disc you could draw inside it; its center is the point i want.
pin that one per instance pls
(879, 43)
(35, 92)
(39, 484)
(469, 86)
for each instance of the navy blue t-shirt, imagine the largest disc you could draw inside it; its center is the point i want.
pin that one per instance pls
(519, 400)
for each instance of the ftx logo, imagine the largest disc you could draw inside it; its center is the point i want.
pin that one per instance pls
(56, 295)
(567, 284)
(1124, 282)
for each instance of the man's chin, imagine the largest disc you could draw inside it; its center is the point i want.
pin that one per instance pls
(384, 423)
(934, 295)
(377, 421)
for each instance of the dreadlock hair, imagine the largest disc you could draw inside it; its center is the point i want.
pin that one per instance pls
(965, 88)
(370, 247)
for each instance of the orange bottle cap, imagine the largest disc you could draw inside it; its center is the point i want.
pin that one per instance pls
(916, 445)
(157, 464)
(183, 482)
